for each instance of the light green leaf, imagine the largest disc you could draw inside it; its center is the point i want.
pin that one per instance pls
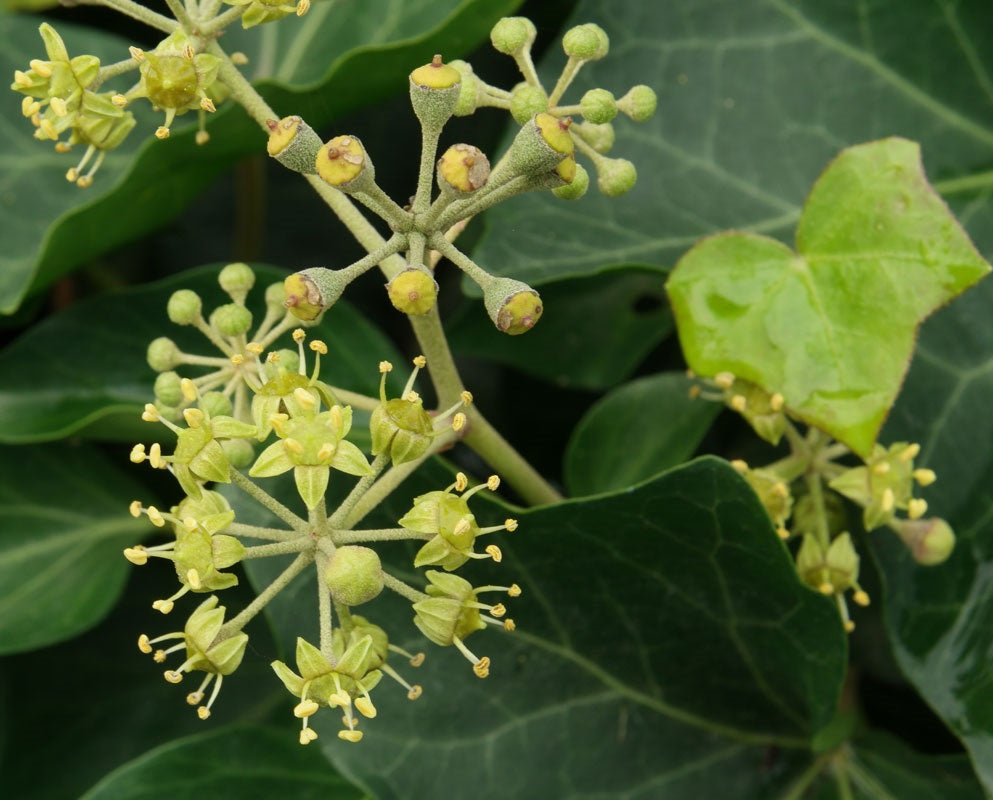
(831, 326)
(637, 431)
(246, 762)
(63, 523)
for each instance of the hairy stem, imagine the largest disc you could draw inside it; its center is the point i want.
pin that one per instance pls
(264, 498)
(297, 545)
(138, 12)
(403, 589)
(281, 582)
(258, 532)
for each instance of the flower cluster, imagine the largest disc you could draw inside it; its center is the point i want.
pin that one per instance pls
(255, 413)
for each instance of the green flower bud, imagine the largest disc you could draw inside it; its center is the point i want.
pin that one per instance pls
(470, 88)
(237, 280)
(512, 35)
(513, 306)
(231, 319)
(344, 163)
(599, 137)
(100, 123)
(354, 574)
(773, 493)
(577, 188)
(598, 106)
(167, 389)
(215, 404)
(402, 428)
(930, 541)
(447, 614)
(275, 296)
(413, 291)
(163, 354)
(463, 169)
(434, 93)
(311, 292)
(639, 103)
(239, 452)
(294, 144)
(616, 176)
(587, 42)
(526, 101)
(184, 307)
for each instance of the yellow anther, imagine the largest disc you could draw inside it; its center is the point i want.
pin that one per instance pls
(916, 508)
(738, 403)
(510, 524)
(514, 590)
(30, 106)
(299, 334)
(420, 362)
(384, 367)
(336, 418)
(159, 657)
(740, 466)
(162, 132)
(776, 402)
(782, 533)
(849, 626)
(881, 468)
(203, 712)
(193, 416)
(272, 357)
(155, 517)
(498, 610)
(163, 606)
(461, 482)
(137, 454)
(135, 508)
(412, 397)
(254, 348)
(415, 692)
(780, 489)
(326, 451)
(303, 7)
(924, 477)
(910, 452)
(694, 391)
(173, 676)
(41, 68)
(861, 597)
(155, 456)
(208, 105)
(493, 483)
(84, 181)
(365, 707)
(307, 735)
(136, 555)
(458, 421)
(417, 660)
(350, 735)
(59, 106)
(319, 347)
(725, 380)
(62, 147)
(150, 414)
(305, 708)
(193, 698)
(461, 527)
(888, 500)
(189, 389)
(21, 78)
(339, 699)
(239, 59)
(190, 524)
(237, 359)
(277, 421)
(189, 53)
(119, 100)
(193, 578)
(304, 398)
(350, 722)
(509, 624)
(144, 645)
(466, 397)
(826, 588)
(495, 553)
(482, 667)
(293, 446)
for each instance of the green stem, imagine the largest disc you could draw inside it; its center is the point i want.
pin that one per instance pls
(179, 12)
(378, 535)
(571, 69)
(425, 173)
(526, 66)
(297, 545)
(318, 519)
(324, 611)
(967, 183)
(264, 498)
(840, 770)
(221, 21)
(258, 532)
(478, 204)
(281, 582)
(114, 70)
(396, 243)
(403, 589)
(816, 490)
(799, 787)
(480, 276)
(354, 399)
(344, 616)
(138, 12)
(341, 513)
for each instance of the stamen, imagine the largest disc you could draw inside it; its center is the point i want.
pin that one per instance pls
(924, 477)
(144, 645)
(195, 697)
(137, 454)
(303, 6)
(254, 348)
(319, 347)
(881, 468)
(461, 482)
(193, 578)
(136, 555)
(350, 735)
(887, 501)
(826, 588)
(514, 590)
(738, 403)
(204, 711)
(910, 452)
(155, 458)
(782, 533)
(155, 517)
(458, 422)
(861, 597)
(295, 447)
(365, 707)
(305, 708)
(509, 624)
(495, 553)
(481, 666)
(305, 398)
(40, 67)
(776, 402)
(499, 610)
(724, 380)
(510, 525)
(916, 508)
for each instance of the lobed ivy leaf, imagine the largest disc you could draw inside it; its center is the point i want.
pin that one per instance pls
(833, 325)
(58, 378)
(63, 523)
(338, 58)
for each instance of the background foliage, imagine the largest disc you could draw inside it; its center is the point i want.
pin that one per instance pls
(665, 647)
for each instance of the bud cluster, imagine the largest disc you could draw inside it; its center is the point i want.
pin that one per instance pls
(251, 416)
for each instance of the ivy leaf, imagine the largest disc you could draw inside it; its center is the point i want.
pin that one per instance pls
(831, 326)
(247, 762)
(64, 226)
(63, 523)
(57, 379)
(637, 431)
(937, 617)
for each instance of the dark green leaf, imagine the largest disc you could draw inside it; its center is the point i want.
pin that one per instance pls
(63, 522)
(250, 763)
(635, 432)
(594, 332)
(877, 251)
(88, 365)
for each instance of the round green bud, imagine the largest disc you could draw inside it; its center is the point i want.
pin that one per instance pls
(639, 103)
(513, 34)
(598, 106)
(413, 291)
(184, 307)
(434, 92)
(462, 169)
(513, 306)
(237, 280)
(599, 137)
(342, 160)
(526, 101)
(275, 296)
(239, 452)
(354, 575)
(286, 361)
(616, 176)
(294, 144)
(215, 404)
(576, 189)
(931, 541)
(163, 354)
(231, 319)
(168, 391)
(588, 42)
(470, 88)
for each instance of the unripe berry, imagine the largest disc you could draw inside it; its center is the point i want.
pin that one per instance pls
(167, 389)
(434, 93)
(239, 452)
(577, 188)
(588, 42)
(463, 169)
(540, 145)
(237, 280)
(354, 575)
(342, 161)
(184, 307)
(526, 101)
(513, 306)
(163, 354)
(293, 143)
(598, 106)
(231, 319)
(311, 292)
(215, 404)
(931, 541)
(616, 176)
(513, 34)
(639, 103)
(413, 291)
